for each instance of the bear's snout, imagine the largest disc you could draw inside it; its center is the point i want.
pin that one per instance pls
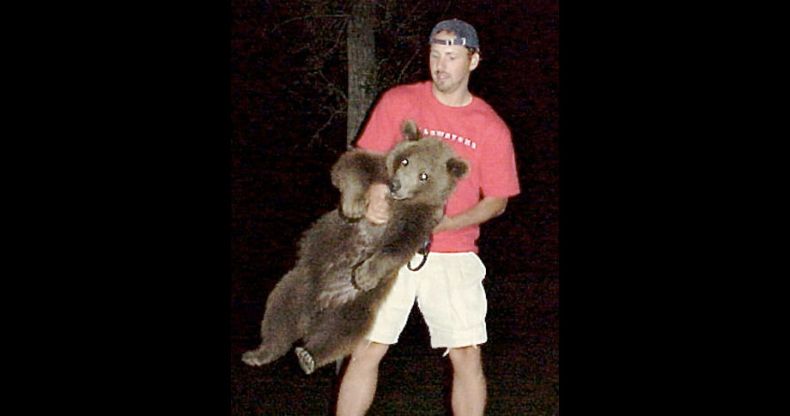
(397, 192)
(394, 186)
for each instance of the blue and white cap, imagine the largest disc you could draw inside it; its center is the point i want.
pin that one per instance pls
(465, 34)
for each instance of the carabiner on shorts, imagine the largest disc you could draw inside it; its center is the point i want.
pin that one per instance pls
(424, 250)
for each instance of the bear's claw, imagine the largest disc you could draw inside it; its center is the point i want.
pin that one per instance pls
(306, 360)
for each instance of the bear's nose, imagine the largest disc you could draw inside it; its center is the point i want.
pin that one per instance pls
(394, 185)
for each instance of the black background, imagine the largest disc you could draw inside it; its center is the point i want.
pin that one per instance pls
(134, 194)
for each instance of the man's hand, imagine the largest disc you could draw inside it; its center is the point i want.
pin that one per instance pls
(487, 208)
(445, 224)
(378, 210)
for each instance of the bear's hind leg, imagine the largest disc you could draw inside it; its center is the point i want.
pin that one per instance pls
(282, 322)
(277, 340)
(334, 340)
(264, 354)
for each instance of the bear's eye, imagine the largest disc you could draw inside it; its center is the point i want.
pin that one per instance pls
(404, 162)
(423, 176)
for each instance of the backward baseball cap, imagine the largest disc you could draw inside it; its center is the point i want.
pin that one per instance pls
(465, 34)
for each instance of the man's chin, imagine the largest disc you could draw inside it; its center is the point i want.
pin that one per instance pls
(444, 87)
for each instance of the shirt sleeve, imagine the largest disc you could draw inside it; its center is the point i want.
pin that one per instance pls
(498, 173)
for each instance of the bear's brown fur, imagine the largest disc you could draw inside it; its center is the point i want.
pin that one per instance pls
(346, 265)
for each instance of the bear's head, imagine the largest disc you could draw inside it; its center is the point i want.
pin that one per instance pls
(423, 169)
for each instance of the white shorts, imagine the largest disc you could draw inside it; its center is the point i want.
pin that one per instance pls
(449, 292)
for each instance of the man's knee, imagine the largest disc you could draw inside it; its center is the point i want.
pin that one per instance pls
(368, 354)
(466, 359)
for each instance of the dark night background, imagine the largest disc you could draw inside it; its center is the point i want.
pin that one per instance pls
(280, 185)
(184, 172)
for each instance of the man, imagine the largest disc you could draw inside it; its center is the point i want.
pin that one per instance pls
(448, 288)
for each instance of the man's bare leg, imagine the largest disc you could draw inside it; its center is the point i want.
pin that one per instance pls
(469, 383)
(358, 386)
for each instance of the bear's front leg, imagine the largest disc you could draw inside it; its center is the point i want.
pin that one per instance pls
(353, 202)
(352, 174)
(372, 271)
(365, 276)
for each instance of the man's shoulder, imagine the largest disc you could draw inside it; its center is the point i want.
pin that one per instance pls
(493, 119)
(484, 107)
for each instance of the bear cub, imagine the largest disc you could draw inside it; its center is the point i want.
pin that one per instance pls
(347, 265)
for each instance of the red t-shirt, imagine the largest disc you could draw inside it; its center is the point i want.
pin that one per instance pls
(475, 132)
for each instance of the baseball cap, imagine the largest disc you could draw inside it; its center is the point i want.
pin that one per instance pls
(465, 34)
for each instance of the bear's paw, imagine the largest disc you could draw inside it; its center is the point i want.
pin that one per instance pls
(255, 358)
(306, 360)
(363, 276)
(353, 207)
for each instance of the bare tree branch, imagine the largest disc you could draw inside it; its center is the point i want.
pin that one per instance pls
(316, 138)
(406, 66)
(277, 27)
(333, 64)
(331, 85)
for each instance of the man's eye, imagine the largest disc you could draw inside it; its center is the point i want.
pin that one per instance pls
(423, 176)
(404, 162)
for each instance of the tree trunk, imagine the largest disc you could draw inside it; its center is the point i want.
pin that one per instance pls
(361, 65)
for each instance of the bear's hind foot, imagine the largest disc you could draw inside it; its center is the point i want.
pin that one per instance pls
(257, 357)
(306, 360)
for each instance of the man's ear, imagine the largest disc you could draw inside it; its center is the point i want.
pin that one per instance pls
(474, 61)
(457, 168)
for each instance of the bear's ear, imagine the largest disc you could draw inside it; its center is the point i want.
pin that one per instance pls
(457, 167)
(410, 130)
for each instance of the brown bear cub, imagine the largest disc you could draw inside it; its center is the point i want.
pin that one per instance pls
(347, 265)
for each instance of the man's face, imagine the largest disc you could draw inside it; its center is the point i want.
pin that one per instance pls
(450, 64)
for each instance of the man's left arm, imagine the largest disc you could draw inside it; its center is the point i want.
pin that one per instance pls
(498, 175)
(488, 208)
